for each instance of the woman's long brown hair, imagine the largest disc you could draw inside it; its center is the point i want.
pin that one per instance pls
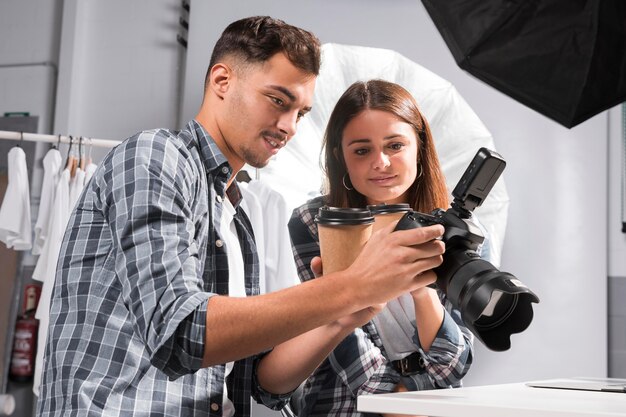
(429, 189)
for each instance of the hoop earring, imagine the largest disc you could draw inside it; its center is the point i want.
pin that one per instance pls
(343, 180)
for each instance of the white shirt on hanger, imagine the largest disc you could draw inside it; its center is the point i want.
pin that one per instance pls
(76, 187)
(15, 227)
(45, 270)
(51, 171)
(89, 170)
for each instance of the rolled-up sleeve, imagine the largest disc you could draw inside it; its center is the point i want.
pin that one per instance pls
(157, 262)
(261, 396)
(450, 355)
(304, 242)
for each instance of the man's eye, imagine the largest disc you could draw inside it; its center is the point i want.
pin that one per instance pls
(277, 101)
(300, 115)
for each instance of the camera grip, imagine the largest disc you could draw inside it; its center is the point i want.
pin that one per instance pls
(413, 220)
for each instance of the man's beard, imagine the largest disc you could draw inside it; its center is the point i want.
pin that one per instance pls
(253, 159)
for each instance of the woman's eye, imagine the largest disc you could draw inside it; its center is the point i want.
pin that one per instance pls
(361, 151)
(396, 146)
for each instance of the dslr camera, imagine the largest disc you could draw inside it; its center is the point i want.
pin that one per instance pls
(493, 304)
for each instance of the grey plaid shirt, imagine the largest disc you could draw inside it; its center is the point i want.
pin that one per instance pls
(358, 365)
(140, 258)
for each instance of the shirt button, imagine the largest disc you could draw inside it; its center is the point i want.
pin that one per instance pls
(215, 407)
(219, 243)
(219, 198)
(225, 170)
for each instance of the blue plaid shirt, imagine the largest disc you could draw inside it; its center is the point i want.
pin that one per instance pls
(140, 258)
(358, 365)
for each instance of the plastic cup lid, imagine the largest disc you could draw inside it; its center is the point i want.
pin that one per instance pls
(335, 216)
(388, 208)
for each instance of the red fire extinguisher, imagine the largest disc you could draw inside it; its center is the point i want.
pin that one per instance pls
(25, 337)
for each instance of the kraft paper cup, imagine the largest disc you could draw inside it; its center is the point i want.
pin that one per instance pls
(387, 213)
(342, 234)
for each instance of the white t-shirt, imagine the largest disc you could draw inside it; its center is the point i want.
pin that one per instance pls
(15, 227)
(236, 279)
(51, 170)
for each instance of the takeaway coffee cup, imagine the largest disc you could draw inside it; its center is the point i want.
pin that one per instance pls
(342, 233)
(386, 213)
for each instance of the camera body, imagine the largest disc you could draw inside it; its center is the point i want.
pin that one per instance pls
(461, 236)
(493, 304)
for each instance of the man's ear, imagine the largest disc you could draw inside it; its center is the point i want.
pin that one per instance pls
(220, 77)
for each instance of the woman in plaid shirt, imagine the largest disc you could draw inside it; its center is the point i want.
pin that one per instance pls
(379, 149)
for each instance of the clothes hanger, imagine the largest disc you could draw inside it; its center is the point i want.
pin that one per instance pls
(19, 144)
(69, 150)
(71, 162)
(89, 151)
(81, 153)
(58, 144)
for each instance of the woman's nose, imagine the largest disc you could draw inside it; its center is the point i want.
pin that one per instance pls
(381, 161)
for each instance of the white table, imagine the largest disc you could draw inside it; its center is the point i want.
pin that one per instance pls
(506, 400)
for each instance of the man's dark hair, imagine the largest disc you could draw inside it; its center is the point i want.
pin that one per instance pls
(258, 38)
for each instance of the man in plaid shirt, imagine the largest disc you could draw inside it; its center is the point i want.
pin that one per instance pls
(156, 308)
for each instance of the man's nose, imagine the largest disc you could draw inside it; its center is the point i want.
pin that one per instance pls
(287, 123)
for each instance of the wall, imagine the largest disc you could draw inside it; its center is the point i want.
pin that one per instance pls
(118, 70)
(555, 179)
(30, 31)
(617, 245)
(617, 191)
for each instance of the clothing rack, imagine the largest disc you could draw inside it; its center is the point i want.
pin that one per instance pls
(54, 139)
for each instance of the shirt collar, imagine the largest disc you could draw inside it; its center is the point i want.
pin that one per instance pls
(212, 157)
(215, 162)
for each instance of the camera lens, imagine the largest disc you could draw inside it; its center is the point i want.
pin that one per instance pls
(498, 310)
(494, 304)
